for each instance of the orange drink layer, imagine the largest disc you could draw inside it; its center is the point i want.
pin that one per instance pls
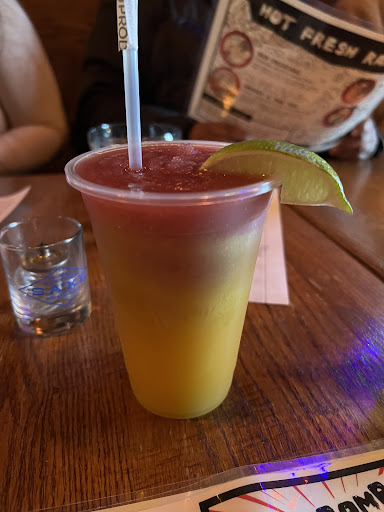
(178, 247)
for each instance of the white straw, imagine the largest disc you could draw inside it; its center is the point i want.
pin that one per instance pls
(132, 108)
(131, 86)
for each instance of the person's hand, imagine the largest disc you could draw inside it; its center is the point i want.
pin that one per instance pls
(359, 144)
(223, 132)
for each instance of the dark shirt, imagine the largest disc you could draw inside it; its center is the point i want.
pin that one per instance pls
(171, 40)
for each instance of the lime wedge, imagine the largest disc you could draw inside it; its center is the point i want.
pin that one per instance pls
(305, 178)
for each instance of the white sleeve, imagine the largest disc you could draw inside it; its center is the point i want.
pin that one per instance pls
(29, 94)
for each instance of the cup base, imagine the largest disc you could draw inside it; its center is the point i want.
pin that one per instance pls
(54, 325)
(185, 415)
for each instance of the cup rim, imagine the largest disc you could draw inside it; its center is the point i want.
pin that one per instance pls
(155, 198)
(28, 220)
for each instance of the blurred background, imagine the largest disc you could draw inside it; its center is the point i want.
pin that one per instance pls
(64, 27)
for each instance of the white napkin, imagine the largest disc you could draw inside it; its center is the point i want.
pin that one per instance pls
(8, 203)
(269, 283)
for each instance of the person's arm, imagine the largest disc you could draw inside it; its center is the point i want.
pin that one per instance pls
(29, 96)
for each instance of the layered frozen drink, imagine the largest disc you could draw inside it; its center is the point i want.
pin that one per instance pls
(178, 245)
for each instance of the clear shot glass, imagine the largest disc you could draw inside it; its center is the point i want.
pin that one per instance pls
(46, 270)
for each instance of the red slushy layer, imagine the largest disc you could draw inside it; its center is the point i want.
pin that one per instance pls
(166, 168)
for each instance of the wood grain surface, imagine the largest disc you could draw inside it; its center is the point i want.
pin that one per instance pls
(362, 234)
(309, 379)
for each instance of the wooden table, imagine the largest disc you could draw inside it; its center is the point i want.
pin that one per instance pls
(309, 378)
(362, 236)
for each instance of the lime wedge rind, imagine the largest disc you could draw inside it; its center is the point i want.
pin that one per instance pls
(305, 177)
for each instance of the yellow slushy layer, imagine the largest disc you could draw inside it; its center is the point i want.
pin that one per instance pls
(180, 304)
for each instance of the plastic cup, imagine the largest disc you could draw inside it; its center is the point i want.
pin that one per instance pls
(46, 269)
(179, 268)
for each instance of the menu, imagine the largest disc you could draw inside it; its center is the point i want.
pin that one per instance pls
(289, 70)
(338, 482)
